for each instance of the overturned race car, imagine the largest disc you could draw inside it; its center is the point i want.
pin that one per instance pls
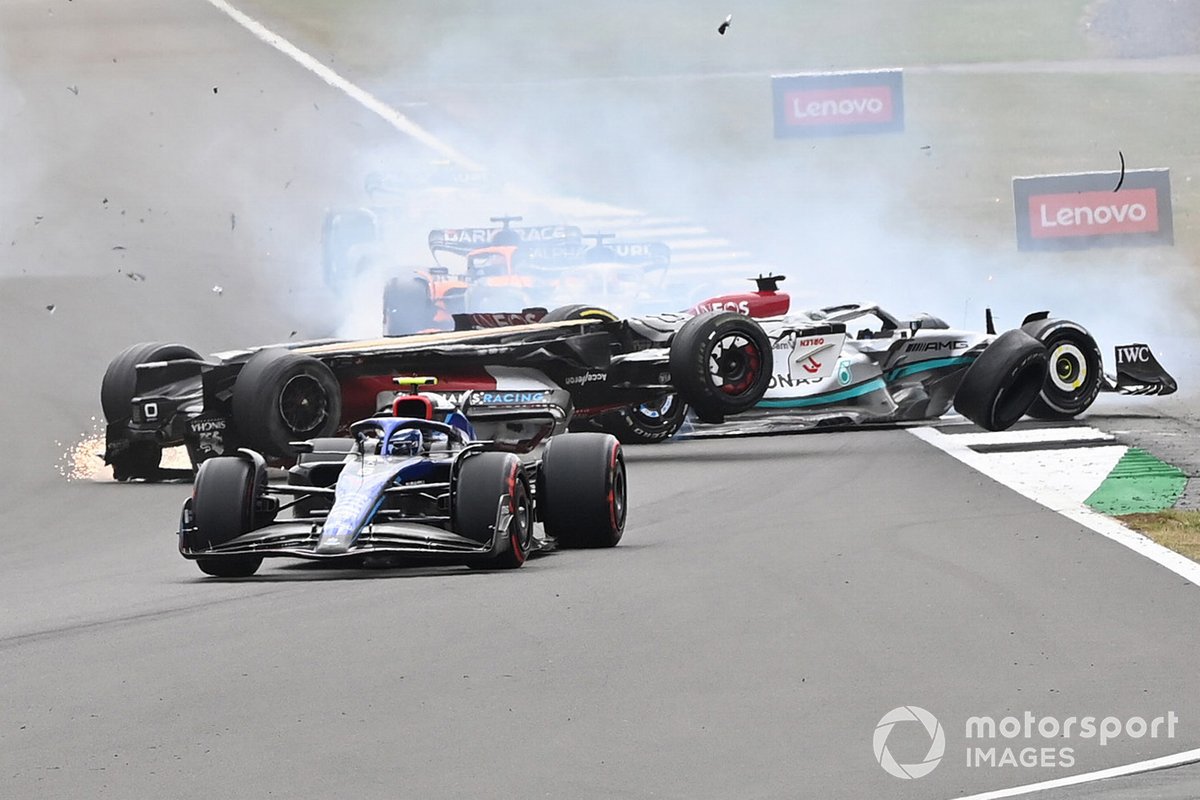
(157, 395)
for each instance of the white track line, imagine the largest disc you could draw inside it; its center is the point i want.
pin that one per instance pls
(351, 90)
(1099, 523)
(1049, 496)
(1191, 756)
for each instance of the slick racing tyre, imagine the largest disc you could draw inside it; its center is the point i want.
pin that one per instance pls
(1075, 373)
(482, 481)
(223, 509)
(648, 423)
(582, 495)
(281, 397)
(1003, 381)
(721, 364)
(407, 307)
(140, 459)
(579, 311)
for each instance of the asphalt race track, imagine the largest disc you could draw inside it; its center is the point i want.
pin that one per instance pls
(771, 600)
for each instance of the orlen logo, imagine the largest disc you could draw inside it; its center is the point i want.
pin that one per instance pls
(1092, 213)
(850, 104)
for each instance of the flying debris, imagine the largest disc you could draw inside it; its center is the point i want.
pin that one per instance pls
(73, 89)
(136, 277)
(725, 25)
(217, 290)
(1122, 180)
(232, 221)
(50, 308)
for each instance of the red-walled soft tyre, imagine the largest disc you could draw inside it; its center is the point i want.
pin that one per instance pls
(223, 505)
(482, 481)
(583, 495)
(721, 364)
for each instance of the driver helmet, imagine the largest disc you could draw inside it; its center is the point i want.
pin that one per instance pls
(406, 442)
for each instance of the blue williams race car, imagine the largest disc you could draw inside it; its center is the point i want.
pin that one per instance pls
(428, 481)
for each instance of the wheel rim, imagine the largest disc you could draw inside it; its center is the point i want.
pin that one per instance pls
(303, 404)
(522, 527)
(1068, 371)
(656, 413)
(733, 363)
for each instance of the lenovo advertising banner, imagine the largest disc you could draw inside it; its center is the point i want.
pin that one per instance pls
(1074, 212)
(838, 103)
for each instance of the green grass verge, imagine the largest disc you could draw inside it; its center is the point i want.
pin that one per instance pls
(1175, 529)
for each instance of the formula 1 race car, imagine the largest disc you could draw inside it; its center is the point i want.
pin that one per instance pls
(902, 370)
(160, 395)
(415, 486)
(512, 268)
(636, 378)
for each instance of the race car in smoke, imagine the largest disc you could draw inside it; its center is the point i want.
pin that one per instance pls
(857, 363)
(741, 354)
(513, 267)
(426, 480)
(161, 395)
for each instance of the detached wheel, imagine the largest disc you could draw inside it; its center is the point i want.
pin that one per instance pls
(649, 423)
(407, 307)
(1075, 373)
(483, 480)
(223, 508)
(579, 311)
(721, 363)
(281, 397)
(1003, 381)
(583, 490)
(140, 459)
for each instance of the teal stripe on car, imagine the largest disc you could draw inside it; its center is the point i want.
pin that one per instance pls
(829, 397)
(931, 364)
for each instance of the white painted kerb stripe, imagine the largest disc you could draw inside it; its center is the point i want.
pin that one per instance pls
(1048, 496)
(1191, 756)
(356, 93)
